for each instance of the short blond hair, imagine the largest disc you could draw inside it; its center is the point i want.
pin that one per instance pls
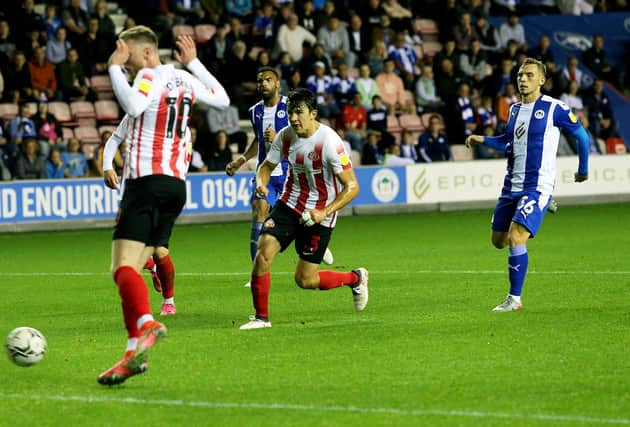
(533, 61)
(140, 34)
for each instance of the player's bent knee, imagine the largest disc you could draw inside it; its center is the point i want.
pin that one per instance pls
(305, 282)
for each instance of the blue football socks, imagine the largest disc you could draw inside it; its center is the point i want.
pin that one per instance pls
(517, 268)
(253, 238)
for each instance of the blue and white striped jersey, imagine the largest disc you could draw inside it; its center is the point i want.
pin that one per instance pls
(263, 117)
(531, 144)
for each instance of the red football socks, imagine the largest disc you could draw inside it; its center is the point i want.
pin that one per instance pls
(135, 297)
(260, 294)
(329, 279)
(149, 264)
(166, 273)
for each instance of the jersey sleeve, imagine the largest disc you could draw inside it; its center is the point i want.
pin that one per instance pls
(207, 88)
(565, 119)
(112, 144)
(335, 154)
(133, 99)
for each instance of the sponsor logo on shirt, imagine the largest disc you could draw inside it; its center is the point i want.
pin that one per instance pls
(520, 130)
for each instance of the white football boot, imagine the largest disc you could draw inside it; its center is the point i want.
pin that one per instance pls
(255, 323)
(510, 304)
(360, 290)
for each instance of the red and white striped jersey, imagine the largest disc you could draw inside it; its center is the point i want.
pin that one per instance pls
(314, 164)
(158, 107)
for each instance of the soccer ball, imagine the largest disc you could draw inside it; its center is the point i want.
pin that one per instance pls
(25, 346)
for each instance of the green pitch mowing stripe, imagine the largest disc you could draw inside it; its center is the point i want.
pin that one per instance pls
(426, 351)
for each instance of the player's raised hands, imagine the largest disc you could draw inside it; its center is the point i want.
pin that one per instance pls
(187, 50)
(120, 55)
(580, 178)
(474, 139)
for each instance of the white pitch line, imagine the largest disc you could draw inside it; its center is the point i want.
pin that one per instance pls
(246, 273)
(316, 408)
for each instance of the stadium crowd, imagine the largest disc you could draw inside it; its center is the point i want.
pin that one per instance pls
(402, 81)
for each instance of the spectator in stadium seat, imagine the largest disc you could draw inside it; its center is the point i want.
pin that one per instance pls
(334, 39)
(446, 83)
(372, 154)
(542, 51)
(377, 120)
(392, 157)
(466, 112)
(94, 49)
(474, 64)
(17, 85)
(55, 169)
(486, 116)
(21, 126)
(57, 48)
(227, 120)
(360, 40)
(376, 58)
(600, 113)
(354, 123)
(28, 20)
(43, 79)
(427, 98)
(75, 20)
(512, 30)
(30, 164)
(344, 86)
(321, 84)
(241, 8)
(239, 32)
(464, 32)
(215, 52)
(239, 79)
(307, 16)
(48, 130)
(502, 76)
(505, 101)
(51, 20)
(487, 35)
(197, 163)
(7, 41)
(75, 160)
(292, 37)
(596, 59)
(7, 156)
(262, 28)
(220, 153)
(571, 71)
(106, 26)
(433, 144)
(391, 87)
(366, 86)
(449, 51)
(408, 146)
(371, 15)
(406, 59)
(71, 78)
(572, 98)
(400, 16)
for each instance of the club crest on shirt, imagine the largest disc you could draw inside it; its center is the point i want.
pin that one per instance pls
(270, 223)
(539, 114)
(281, 114)
(313, 156)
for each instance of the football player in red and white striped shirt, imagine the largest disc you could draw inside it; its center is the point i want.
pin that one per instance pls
(158, 106)
(320, 182)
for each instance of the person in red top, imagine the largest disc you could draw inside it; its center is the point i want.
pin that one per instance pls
(354, 123)
(158, 105)
(43, 77)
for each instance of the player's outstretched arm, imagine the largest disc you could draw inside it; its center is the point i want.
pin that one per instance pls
(473, 139)
(250, 151)
(213, 94)
(583, 146)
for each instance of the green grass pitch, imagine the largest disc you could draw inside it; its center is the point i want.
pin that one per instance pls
(426, 351)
